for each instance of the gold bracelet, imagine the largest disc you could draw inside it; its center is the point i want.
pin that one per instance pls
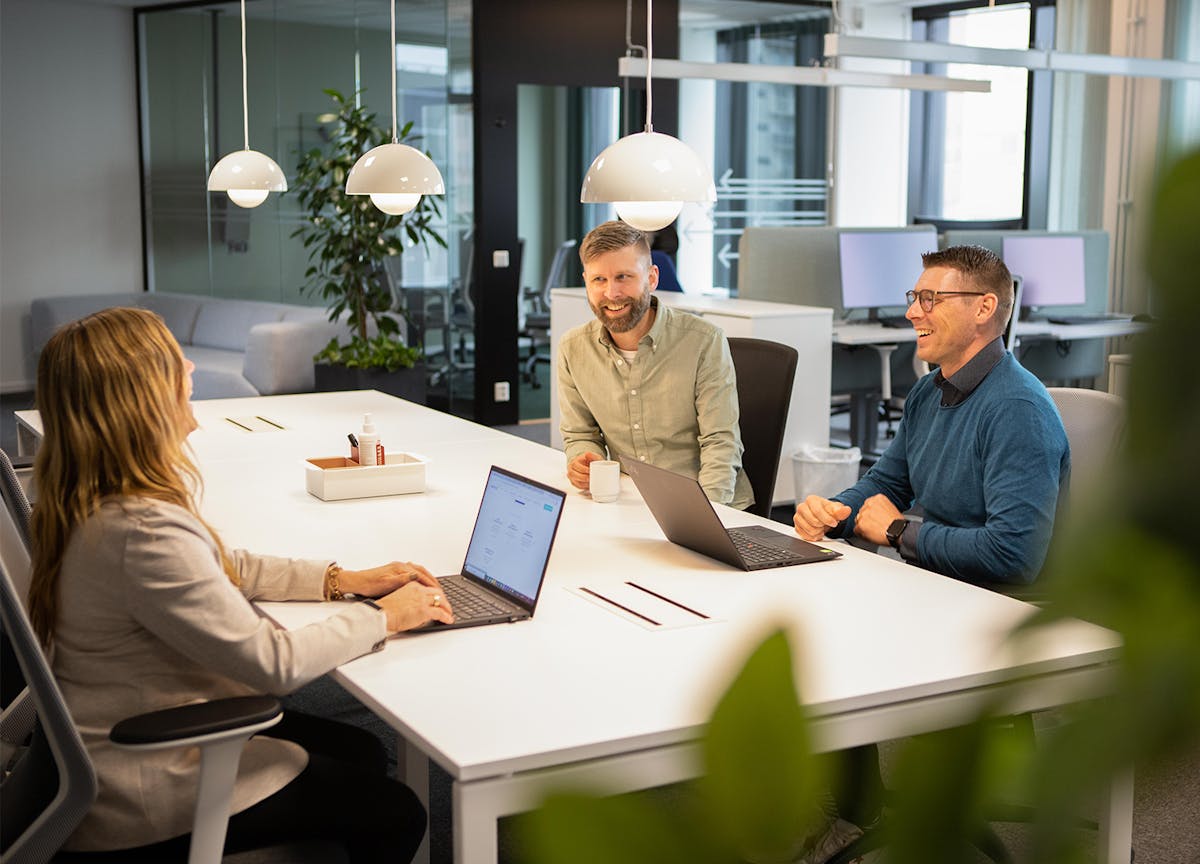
(332, 590)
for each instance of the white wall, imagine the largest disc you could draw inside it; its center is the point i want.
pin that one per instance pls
(69, 188)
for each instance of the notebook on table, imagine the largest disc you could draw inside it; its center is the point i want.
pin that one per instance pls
(507, 555)
(688, 519)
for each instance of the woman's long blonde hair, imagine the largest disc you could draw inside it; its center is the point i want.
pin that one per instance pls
(112, 394)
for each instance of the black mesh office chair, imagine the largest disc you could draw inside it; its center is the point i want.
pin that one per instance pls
(765, 371)
(537, 320)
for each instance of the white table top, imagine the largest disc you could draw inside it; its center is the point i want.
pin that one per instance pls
(579, 681)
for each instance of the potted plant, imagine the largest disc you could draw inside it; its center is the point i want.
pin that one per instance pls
(348, 240)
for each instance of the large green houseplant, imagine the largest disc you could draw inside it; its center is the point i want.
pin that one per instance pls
(348, 240)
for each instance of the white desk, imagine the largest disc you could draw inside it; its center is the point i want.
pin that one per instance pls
(805, 328)
(885, 340)
(579, 695)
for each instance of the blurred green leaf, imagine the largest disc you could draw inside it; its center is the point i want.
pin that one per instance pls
(761, 782)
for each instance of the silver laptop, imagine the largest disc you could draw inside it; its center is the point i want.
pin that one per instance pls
(688, 519)
(506, 561)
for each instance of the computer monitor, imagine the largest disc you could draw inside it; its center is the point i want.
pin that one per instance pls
(878, 267)
(1050, 266)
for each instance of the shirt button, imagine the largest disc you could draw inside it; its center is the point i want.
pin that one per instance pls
(637, 425)
(642, 456)
(632, 392)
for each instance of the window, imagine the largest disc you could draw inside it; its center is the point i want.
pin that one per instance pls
(974, 155)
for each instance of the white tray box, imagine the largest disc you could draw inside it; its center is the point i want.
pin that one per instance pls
(335, 478)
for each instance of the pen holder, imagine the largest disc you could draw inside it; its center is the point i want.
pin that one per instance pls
(335, 478)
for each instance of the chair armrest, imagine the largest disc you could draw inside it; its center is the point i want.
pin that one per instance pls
(204, 722)
(279, 354)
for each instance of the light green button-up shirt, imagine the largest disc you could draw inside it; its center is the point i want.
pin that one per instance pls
(674, 406)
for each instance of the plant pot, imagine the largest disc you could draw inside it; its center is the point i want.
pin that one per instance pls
(405, 383)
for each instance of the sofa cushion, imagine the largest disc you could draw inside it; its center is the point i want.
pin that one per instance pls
(218, 373)
(226, 323)
(178, 311)
(47, 314)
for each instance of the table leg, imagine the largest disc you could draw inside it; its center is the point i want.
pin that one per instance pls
(414, 768)
(1116, 821)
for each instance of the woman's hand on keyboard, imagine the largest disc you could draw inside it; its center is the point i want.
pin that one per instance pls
(383, 580)
(416, 604)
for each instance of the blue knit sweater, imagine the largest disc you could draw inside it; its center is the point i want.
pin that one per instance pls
(987, 472)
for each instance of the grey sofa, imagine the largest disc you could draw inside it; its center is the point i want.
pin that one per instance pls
(240, 347)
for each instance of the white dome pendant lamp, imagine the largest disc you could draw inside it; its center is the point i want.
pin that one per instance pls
(394, 175)
(247, 176)
(648, 176)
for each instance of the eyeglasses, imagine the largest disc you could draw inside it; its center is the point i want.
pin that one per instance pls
(929, 298)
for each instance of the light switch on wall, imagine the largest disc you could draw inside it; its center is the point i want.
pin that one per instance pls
(499, 258)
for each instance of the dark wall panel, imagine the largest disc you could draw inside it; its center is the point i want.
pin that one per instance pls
(548, 42)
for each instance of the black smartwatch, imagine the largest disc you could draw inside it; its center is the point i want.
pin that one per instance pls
(894, 531)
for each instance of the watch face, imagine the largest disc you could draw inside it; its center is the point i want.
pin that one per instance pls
(895, 530)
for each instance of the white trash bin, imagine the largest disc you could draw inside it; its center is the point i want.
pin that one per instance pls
(824, 471)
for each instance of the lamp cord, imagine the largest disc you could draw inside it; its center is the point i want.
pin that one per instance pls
(392, 61)
(649, 61)
(245, 109)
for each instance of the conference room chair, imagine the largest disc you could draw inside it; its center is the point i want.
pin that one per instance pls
(1095, 424)
(14, 497)
(51, 783)
(668, 279)
(537, 318)
(765, 371)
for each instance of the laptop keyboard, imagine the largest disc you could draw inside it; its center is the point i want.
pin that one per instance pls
(468, 603)
(756, 552)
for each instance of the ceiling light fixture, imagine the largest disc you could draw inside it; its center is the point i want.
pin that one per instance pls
(648, 176)
(799, 76)
(246, 175)
(394, 175)
(838, 45)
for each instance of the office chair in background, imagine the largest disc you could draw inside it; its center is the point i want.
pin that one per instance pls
(537, 320)
(765, 372)
(668, 280)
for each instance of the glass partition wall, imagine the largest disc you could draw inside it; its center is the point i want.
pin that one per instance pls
(190, 92)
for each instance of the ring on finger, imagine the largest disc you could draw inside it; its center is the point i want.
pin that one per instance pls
(437, 599)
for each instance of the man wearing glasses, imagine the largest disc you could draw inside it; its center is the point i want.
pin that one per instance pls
(980, 447)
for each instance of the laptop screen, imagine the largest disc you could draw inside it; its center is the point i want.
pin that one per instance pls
(513, 534)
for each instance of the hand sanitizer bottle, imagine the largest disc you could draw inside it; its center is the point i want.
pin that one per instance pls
(368, 442)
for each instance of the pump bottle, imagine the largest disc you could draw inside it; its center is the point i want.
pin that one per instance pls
(368, 443)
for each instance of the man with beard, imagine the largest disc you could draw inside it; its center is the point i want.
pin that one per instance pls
(646, 381)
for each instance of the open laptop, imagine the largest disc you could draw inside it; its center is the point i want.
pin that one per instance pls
(687, 517)
(506, 559)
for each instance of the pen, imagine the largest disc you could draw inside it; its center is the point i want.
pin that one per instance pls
(353, 440)
(667, 600)
(612, 602)
(265, 420)
(239, 425)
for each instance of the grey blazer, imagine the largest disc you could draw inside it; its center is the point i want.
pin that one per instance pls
(149, 620)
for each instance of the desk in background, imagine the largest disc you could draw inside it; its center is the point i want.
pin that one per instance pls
(885, 340)
(805, 328)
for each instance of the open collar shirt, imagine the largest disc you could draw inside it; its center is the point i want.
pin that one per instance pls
(675, 405)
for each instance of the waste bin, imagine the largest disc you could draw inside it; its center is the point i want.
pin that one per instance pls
(824, 471)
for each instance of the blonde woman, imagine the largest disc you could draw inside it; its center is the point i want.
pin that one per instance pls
(142, 608)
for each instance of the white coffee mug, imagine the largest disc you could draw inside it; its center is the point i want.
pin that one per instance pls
(605, 480)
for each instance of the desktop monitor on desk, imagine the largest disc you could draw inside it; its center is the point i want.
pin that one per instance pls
(877, 267)
(1051, 269)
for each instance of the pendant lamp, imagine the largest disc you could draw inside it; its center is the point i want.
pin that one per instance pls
(648, 176)
(394, 175)
(247, 176)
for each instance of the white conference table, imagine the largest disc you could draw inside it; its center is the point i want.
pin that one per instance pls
(584, 695)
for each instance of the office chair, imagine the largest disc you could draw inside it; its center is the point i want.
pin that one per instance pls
(52, 784)
(765, 371)
(537, 321)
(14, 497)
(1095, 424)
